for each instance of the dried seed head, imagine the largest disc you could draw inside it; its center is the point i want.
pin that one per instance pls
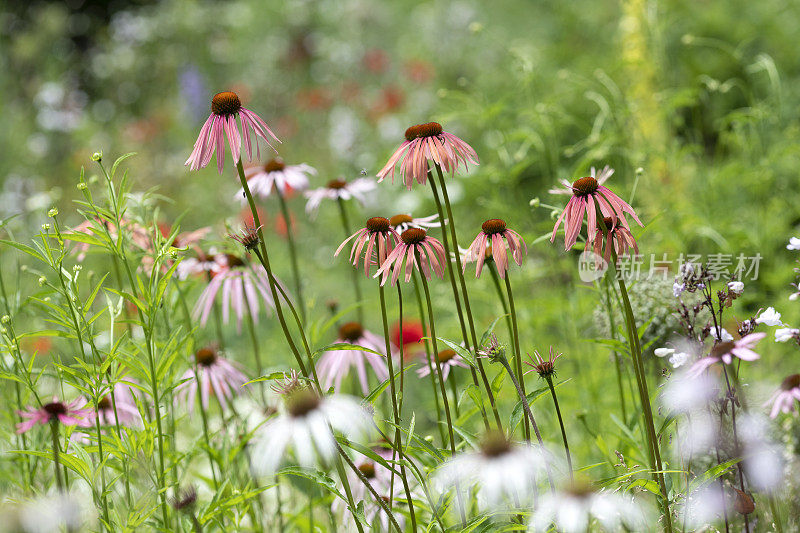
(429, 129)
(185, 500)
(414, 235)
(584, 186)
(337, 184)
(791, 382)
(400, 219)
(205, 356)
(302, 402)
(274, 165)
(351, 331)
(743, 503)
(495, 444)
(225, 103)
(248, 237)
(493, 225)
(378, 225)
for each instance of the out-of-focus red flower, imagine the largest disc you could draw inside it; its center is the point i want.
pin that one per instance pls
(390, 100)
(280, 225)
(376, 61)
(37, 345)
(246, 216)
(418, 71)
(412, 337)
(314, 99)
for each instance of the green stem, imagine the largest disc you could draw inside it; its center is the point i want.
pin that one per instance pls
(353, 272)
(776, 518)
(251, 329)
(349, 493)
(561, 424)
(398, 443)
(517, 353)
(499, 289)
(428, 357)
(292, 253)
(617, 357)
(204, 417)
(56, 460)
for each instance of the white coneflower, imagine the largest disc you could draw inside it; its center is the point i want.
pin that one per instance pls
(307, 428)
(505, 474)
(54, 512)
(575, 508)
(275, 174)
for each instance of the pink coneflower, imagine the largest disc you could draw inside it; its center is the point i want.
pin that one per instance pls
(414, 243)
(447, 359)
(275, 174)
(585, 191)
(402, 222)
(495, 230)
(127, 412)
(201, 263)
(212, 373)
(241, 286)
(620, 238)
(338, 189)
(334, 365)
(725, 352)
(225, 107)
(376, 231)
(601, 177)
(74, 413)
(428, 142)
(783, 399)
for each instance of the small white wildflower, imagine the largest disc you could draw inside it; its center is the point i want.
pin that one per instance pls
(678, 288)
(769, 317)
(679, 359)
(725, 336)
(663, 352)
(736, 287)
(786, 334)
(794, 244)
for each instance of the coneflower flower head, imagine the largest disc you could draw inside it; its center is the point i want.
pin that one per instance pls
(225, 107)
(184, 500)
(786, 397)
(212, 374)
(424, 143)
(74, 413)
(377, 231)
(490, 242)
(338, 189)
(334, 365)
(264, 179)
(417, 250)
(402, 222)
(448, 359)
(546, 368)
(248, 237)
(289, 384)
(587, 193)
(617, 238)
(493, 350)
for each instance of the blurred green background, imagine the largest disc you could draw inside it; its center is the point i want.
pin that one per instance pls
(694, 104)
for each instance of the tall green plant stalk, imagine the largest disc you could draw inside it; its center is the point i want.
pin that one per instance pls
(353, 272)
(298, 285)
(428, 357)
(398, 443)
(517, 355)
(549, 379)
(56, 452)
(473, 345)
(617, 357)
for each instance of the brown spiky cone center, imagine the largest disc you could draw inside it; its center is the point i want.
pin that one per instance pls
(301, 402)
(351, 331)
(274, 165)
(495, 444)
(378, 225)
(54, 409)
(446, 355)
(413, 235)
(205, 356)
(225, 103)
(400, 219)
(791, 382)
(337, 184)
(584, 186)
(494, 225)
(429, 129)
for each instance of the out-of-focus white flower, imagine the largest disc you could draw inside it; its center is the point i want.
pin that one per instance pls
(574, 508)
(704, 506)
(505, 474)
(794, 244)
(762, 459)
(55, 512)
(769, 317)
(736, 287)
(786, 334)
(685, 394)
(307, 427)
(697, 435)
(724, 337)
(679, 359)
